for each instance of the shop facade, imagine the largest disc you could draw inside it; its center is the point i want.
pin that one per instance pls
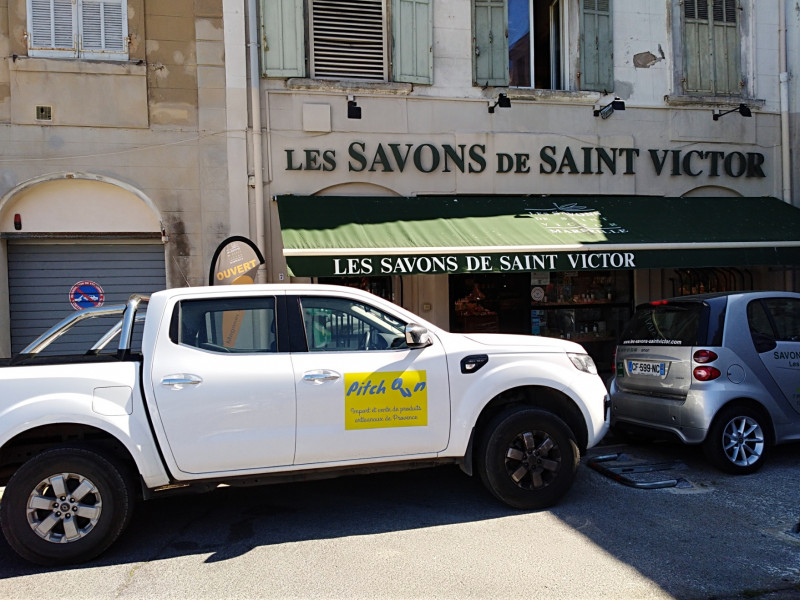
(543, 187)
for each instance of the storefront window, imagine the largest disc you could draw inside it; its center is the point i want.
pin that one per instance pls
(589, 308)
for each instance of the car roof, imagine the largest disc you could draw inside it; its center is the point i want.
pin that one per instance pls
(713, 297)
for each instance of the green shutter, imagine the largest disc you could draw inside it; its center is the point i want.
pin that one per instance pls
(490, 42)
(726, 47)
(412, 33)
(597, 46)
(282, 40)
(711, 47)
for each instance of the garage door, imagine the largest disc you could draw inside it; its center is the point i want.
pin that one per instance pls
(45, 280)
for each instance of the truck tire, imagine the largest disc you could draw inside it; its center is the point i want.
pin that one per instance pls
(64, 506)
(736, 442)
(528, 458)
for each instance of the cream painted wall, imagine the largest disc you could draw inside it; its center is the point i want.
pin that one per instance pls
(69, 205)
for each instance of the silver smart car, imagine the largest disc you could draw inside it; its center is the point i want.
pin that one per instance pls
(722, 370)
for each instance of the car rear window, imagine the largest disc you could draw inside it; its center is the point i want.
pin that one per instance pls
(672, 324)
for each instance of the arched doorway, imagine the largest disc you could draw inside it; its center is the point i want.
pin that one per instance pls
(68, 241)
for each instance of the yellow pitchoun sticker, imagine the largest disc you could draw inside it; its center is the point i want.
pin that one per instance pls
(387, 399)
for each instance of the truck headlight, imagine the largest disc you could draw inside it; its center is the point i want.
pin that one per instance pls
(583, 362)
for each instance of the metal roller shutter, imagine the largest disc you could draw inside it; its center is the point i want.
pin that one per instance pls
(42, 275)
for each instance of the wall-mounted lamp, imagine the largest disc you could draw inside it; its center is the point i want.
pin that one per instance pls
(742, 109)
(353, 109)
(608, 109)
(502, 100)
(17, 222)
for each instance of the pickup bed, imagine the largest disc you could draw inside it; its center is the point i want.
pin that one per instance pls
(252, 384)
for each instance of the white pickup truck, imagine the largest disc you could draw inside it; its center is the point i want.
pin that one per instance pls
(255, 384)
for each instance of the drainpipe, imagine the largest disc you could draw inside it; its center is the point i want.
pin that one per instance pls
(255, 134)
(786, 167)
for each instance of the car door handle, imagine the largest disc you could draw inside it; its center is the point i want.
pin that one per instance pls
(179, 380)
(319, 377)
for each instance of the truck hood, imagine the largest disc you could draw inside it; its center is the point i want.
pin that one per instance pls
(524, 343)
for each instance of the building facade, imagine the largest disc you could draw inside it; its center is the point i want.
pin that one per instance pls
(521, 166)
(123, 160)
(532, 167)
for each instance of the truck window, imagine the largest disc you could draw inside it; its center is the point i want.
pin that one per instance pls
(341, 325)
(225, 324)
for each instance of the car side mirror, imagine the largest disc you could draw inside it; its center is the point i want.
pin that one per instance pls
(417, 336)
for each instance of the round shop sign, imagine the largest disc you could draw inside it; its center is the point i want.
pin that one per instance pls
(537, 294)
(86, 294)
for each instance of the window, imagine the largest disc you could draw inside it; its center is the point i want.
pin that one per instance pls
(94, 29)
(340, 325)
(348, 40)
(225, 325)
(526, 44)
(711, 49)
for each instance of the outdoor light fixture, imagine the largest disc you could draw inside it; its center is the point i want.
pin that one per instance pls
(502, 100)
(742, 109)
(608, 109)
(353, 109)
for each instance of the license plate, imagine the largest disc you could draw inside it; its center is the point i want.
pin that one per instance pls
(641, 367)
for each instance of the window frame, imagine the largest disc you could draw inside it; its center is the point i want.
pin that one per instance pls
(288, 41)
(744, 52)
(76, 49)
(565, 67)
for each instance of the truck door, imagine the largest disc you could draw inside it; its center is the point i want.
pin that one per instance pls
(224, 390)
(361, 392)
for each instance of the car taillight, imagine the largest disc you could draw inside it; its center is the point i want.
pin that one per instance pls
(614, 363)
(705, 356)
(706, 373)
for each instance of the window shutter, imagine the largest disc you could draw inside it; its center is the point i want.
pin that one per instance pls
(711, 47)
(102, 26)
(490, 42)
(52, 24)
(726, 47)
(597, 46)
(348, 39)
(283, 48)
(412, 27)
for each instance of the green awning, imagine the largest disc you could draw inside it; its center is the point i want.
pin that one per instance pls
(367, 235)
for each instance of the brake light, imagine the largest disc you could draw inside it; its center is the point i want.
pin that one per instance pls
(705, 356)
(706, 373)
(614, 363)
(659, 302)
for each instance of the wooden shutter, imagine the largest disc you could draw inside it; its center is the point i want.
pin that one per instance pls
(283, 38)
(103, 28)
(490, 42)
(597, 46)
(52, 27)
(348, 39)
(725, 27)
(412, 27)
(711, 47)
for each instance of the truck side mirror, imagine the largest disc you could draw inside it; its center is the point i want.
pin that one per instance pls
(417, 336)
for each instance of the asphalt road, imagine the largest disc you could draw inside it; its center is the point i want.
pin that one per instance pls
(438, 534)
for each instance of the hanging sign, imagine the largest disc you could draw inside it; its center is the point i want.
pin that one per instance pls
(86, 294)
(235, 261)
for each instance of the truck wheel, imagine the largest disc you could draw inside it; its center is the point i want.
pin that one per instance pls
(736, 441)
(65, 505)
(528, 458)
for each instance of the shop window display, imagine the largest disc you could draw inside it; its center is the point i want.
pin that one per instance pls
(589, 308)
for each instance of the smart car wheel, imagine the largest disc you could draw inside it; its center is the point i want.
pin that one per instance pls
(528, 458)
(736, 442)
(65, 505)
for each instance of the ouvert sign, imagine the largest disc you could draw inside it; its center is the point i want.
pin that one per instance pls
(547, 159)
